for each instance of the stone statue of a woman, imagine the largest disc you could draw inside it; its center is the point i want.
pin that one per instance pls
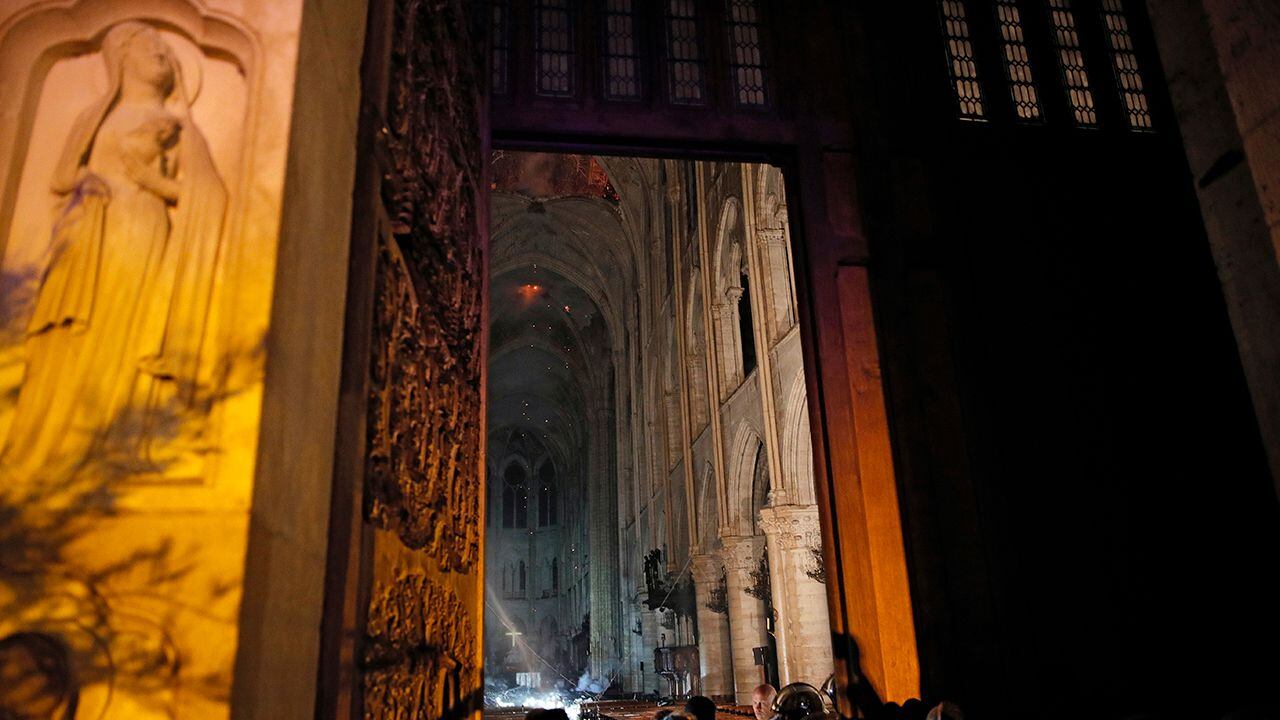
(120, 316)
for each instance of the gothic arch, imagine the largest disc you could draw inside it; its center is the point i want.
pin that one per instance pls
(761, 487)
(550, 630)
(706, 518)
(515, 492)
(516, 457)
(591, 279)
(745, 454)
(771, 197)
(773, 240)
(584, 240)
(635, 187)
(695, 357)
(547, 481)
(727, 258)
(726, 270)
(797, 445)
(671, 398)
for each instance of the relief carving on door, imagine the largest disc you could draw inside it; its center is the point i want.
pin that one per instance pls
(419, 656)
(420, 653)
(422, 476)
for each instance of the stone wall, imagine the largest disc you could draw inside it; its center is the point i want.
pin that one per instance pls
(750, 461)
(1220, 57)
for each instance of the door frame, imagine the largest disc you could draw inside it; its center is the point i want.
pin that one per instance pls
(868, 593)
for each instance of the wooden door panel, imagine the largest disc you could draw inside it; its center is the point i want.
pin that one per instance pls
(403, 621)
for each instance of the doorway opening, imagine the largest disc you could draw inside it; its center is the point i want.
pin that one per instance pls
(653, 527)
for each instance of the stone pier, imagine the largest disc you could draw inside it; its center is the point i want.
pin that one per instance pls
(741, 555)
(802, 628)
(714, 655)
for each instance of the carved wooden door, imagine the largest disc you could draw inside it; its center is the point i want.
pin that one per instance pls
(404, 594)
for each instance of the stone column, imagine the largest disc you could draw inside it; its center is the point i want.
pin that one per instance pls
(714, 656)
(602, 533)
(633, 681)
(747, 628)
(803, 629)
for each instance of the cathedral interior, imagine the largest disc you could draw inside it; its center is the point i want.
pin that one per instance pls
(467, 359)
(632, 543)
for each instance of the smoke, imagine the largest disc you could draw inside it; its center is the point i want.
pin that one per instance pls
(525, 697)
(595, 686)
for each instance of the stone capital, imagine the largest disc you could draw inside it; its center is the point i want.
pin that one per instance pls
(770, 236)
(791, 527)
(742, 553)
(706, 569)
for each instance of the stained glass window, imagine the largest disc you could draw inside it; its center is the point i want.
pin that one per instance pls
(621, 50)
(500, 19)
(746, 57)
(553, 47)
(1124, 61)
(686, 64)
(1017, 61)
(1075, 76)
(960, 60)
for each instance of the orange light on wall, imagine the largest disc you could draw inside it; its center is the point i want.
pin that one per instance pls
(529, 291)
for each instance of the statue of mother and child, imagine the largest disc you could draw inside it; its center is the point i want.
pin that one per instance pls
(114, 344)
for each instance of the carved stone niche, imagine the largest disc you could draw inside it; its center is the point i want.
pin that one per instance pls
(123, 332)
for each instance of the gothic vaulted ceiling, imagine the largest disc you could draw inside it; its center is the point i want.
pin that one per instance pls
(563, 267)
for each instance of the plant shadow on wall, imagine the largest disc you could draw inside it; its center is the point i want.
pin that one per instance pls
(75, 580)
(718, 598)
